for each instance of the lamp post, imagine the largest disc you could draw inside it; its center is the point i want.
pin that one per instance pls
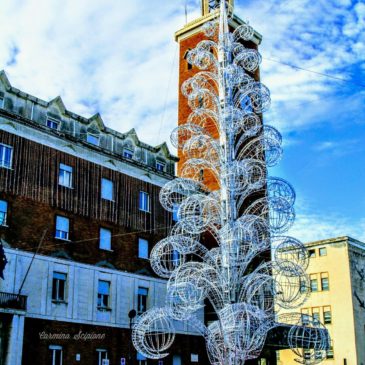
(132, 314)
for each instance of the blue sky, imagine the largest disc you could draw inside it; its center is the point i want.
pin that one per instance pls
(119, 58)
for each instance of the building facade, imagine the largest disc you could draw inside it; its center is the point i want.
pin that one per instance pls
(337, 283)
(79, 214)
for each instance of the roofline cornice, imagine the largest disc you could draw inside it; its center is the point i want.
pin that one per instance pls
(195, 26)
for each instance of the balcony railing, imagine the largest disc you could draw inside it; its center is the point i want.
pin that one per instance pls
(13, 301)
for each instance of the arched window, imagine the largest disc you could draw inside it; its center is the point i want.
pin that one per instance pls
(189, 66)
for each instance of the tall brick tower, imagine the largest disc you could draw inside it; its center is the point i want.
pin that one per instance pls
(188, 37)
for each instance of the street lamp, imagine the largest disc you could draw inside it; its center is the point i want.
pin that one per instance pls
(132, 314)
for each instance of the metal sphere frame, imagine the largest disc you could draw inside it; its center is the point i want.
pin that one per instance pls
(247, 217)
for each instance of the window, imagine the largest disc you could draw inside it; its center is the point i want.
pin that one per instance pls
(105, 241)
(327, 315)
(305, 319)
(107, 189)
(65, 176)
(102, 354)
(56, 354)
(3, 212)
(312, 253)
(323, 251)
(316, 315)
(53, 124)
(127, 153)
(144, 156)
(93, 139)
(103, 294)
(175, 213)
(144, 201)
(142, 248)
(2, 102)
(175, 258)
(141, 360)
(58, 286)
(189, 66)
(62, 228)
(313, 283)
(307, 354)
(246, 104)
(160, 166)
(329, 352)
(6, 154)
(303, 286)
(201, 175)
(318, 355)
(325, 282)
(142, 300)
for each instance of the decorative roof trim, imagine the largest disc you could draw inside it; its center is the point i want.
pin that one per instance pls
(195, 26)
(95, 118)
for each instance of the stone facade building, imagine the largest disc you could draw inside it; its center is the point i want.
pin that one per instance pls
(79, 214)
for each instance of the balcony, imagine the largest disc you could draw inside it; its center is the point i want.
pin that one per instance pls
(13, 301)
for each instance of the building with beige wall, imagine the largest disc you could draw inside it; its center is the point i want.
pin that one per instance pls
(337, 282)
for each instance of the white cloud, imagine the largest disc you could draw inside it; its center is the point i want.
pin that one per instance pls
(115, 57)
(310, 227)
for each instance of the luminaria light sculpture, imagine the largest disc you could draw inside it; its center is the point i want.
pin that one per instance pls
(253, 268)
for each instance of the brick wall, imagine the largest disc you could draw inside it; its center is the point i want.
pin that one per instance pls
(184, 109)
(35, 198)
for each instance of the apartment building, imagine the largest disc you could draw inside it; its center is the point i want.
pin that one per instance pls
(337, 283)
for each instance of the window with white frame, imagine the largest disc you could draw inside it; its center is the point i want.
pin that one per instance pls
(105, 241)
(160, 166)
(56, 355)
(127, 153)
(107, 189)
(142, 300)
(59, 286)
(3, 212)
(6, 155)
(103, 294)
(53, 124)
(65, 176)
(142, 248)
(93, 139)
(62, 228)
(144, 201)
(101, 354)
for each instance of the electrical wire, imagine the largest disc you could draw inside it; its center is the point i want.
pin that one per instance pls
(315, 72)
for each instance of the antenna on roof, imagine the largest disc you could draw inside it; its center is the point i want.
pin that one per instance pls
(186, 11)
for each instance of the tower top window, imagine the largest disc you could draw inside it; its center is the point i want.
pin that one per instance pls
(211, 5)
